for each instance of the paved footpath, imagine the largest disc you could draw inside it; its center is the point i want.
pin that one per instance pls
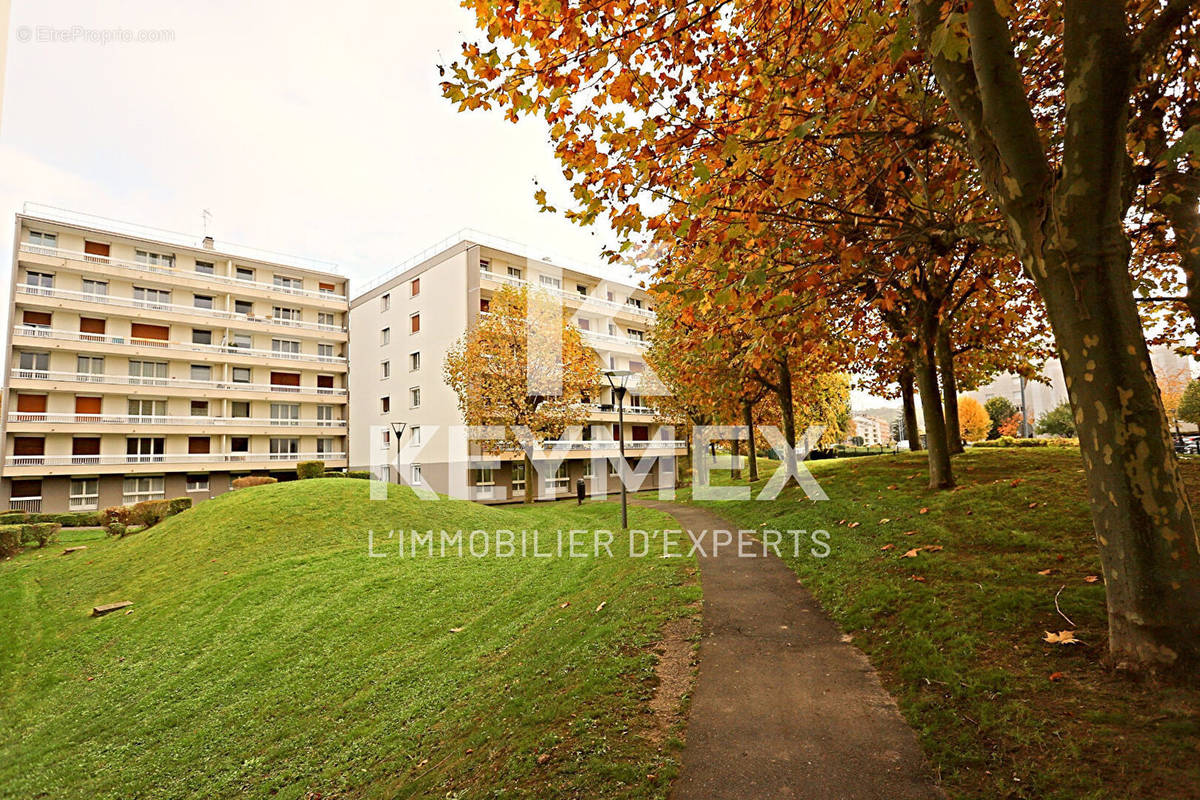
(783, 708)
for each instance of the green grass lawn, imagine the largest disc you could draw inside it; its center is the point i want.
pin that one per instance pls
(267, 655)
(957, 633)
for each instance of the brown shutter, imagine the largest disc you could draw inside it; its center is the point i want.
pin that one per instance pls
(95, 248)
(85, 446)
(416, 286)
(641, 433)
(36, 318)
(87, 405)
(616, 432)
(31, 403)
(140, 330)
(29, 446)
(27, 487)
(285, 378)
(89, 325)
(324, 381)
(416, 322)
(326, 287)
(197, 444)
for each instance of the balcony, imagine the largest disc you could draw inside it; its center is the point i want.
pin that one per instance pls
(121, 459)
(613, 446)
(15, 417)
(32, 505)
(172, 383)
(607, 408)
(171, 308)
(575, 297)
(174, 274)
(610, 340)
(39, 332)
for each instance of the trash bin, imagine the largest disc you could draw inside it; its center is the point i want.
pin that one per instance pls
(579, 492)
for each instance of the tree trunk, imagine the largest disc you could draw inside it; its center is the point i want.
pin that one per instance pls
(531, 482)
(945, 358)
(910, 410)
(788, 411)
(748, 418)
(735, 451)
(1182, 213)
(940, 475)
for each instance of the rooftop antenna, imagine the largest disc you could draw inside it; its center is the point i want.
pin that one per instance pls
(205, 218)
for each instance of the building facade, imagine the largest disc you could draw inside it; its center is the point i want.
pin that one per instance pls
(872, 430)
(141, 369)
(405, 323)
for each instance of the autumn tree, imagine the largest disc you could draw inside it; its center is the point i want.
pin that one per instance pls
(523, 365)
(999, 410)
(1189, 404)
(1171, 385)
(974, 420)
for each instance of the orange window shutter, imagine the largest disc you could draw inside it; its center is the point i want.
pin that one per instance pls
(140, 330)
(416, 286)
(95, 248)
(416, 322)
(285, 378)
(89, 325)
(87, 405)
(36, 318)
(326, 287)
(197, 444)
(31, 403)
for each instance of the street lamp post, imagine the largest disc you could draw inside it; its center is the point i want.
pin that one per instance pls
(618, 380)
(398, 430)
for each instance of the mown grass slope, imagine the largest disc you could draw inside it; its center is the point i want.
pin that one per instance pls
(267, 655)
(956, 632)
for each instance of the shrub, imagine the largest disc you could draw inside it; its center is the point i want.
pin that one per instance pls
(1058, 421)
(117, 529)
(149, 513)
(72, 519)
(252, 480)
(361, 474)
(10, 540)
(13, 517)
(334, 475)
(119, 514)
(41, 532)
(178, 505)
(310, 469)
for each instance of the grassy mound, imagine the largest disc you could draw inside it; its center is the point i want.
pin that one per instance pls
(267, 655)
(956, 632)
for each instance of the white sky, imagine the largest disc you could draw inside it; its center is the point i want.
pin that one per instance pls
(305, 127)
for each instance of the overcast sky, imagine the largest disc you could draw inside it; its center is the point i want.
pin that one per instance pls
(310, 128)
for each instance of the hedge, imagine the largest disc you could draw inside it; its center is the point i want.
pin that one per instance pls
(70, 519)
(360, 474)
(253, 480)
(10, 540)
(41, 532)
(178, 505)
(1010, 441)
(310, 469)
(330, 474)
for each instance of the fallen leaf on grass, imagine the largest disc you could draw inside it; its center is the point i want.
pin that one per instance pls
(893, 486)
(1062, 637)
(1092, 579)
(888, 546)
(854, 524)
(1045, 571)
(933, 548)
(917, 578)
(1033, 505)
(909, 533)
(564, 605)
(543, 758)
(602, 605)
(923, 511)
(457, 630)
(912, 553)
(885, 521)
(1056, 676)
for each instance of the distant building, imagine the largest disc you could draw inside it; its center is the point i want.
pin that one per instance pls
(872, 430)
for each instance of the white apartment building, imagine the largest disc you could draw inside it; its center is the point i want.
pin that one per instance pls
(872, 430)
(140, 368)
(402, 327)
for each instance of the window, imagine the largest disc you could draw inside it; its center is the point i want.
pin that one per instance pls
(241, 374)
(414, 436)
(324, 446)
(150, 298)
(414, 397)
(636, 335)
(34, 365)
(414, 321)
(637, 367)
(41, 242)
(325, 319)
(243, 307)
(239, 444)
(324, 382)
(201, 372)
(326, 288)
(325, 352)
(146, 409)
(587, 468)
(150, 373)
(89, 368)
(144, 449)
(201, 336)
(288, 284)
(514, 272)
(199, 408)
(95, 288)
(485, 265)
(154, 259)
(204, 301)
(414, 361)
(414, 288)
(42, 280)
(485, 480)
(518, 476)
(239, 409)
(285, 413)
(199, 445)
(579, 287)
(85, 494)
(197, 483)
(385, 405)
(550, 281)
(143, 487)
(205, 268)
(385, 336)
(285, 347)
(284, 449)
(286, 315)
(559, 481)
(385, 302)
(324, 416)
(416, 474)
(33, 322)
(485, 305)
(633, 301)
(244, 274)
(387, 437)
(91, 329)
(241, 341)
(385, 370)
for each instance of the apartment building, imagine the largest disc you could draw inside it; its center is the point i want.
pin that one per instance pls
(872, 430)
(140, 368)
(405, 323)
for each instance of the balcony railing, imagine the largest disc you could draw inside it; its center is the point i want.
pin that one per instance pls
(166, 458)
(605, 338)
(608, 444)
(31, 504)
(177, 383)
(155, 419)
(39, 331)
(608, 408)
(173, 272)
(172, 308)
(573, 296)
